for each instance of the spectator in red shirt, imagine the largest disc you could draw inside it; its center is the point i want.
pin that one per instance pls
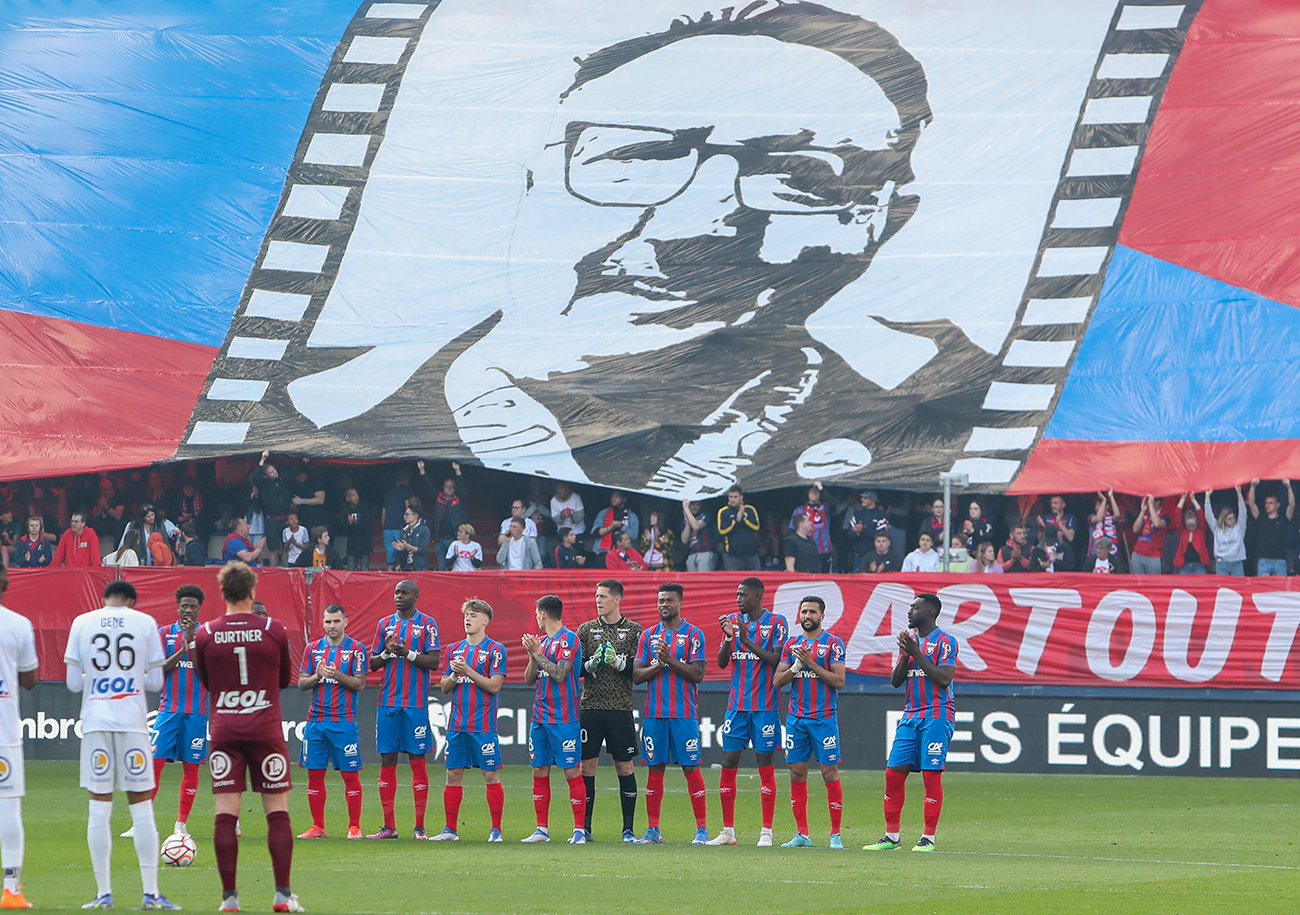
(1193, 554)
(1104, 521)
(78, 547)
(1150, 524)
(624, 556)
(1014, 555)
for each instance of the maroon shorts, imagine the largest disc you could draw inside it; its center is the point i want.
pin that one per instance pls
(266, 761)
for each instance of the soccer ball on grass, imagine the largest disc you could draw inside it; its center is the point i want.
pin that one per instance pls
(178, 850)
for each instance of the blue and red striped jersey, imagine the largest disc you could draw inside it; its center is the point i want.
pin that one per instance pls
(923, 698)
(330, 701)
(751, 677)
(473, 708)
(181, 690)
(670, 695)
(810, 696)
(557, 703)
(405, 685)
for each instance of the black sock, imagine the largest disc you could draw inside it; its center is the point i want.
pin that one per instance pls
(590, 782)
(627, 791)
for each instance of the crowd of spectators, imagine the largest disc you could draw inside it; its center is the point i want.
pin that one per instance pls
(291, 512)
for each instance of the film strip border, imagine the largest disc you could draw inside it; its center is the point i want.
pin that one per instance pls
(1136, 59)
(304, 245)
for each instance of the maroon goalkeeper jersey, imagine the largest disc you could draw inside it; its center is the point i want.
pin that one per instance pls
(243, 662)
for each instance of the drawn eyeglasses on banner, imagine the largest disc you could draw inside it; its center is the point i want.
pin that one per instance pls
(631, 166)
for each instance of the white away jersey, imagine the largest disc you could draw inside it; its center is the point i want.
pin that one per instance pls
(120, 656)
(17, 654)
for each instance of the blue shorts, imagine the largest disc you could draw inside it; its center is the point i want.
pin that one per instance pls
(670, 741)
(555, 744)
(390, 552)
(324, 742)
(809, 737)
(762, 729)
(921, 743)
(179, 736)
(404, 730)
(470, 750)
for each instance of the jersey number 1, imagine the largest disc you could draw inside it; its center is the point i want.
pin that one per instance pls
(242, 653)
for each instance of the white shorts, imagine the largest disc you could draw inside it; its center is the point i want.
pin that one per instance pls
(124, 754)
(13, 778)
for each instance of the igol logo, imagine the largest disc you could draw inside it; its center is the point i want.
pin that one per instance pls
(112, 687)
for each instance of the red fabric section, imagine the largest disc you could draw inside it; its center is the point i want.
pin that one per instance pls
(189, 790)
(451, 798)
(699, 797)
(420, 787)
(727, 795)
(799, 806)
(388, 794)
(352, 791)
(542, 800)
(895, 794)
(316, 796)
(767, 793)
(654, 798)
(835, 803)
(79, 398)
(496, 802)
(577, 800)
(933, 799)
(1225, 142)
(1159, 468)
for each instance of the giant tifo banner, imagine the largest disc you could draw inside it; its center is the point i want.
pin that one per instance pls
(1080, 630)
(663, 246)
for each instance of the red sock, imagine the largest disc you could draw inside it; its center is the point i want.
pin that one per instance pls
(158, 765)
(496, 798)
(279, 841)
(189, 790)
(933, 799)
(542, 800)
(767, 793)
(226, 847)
(577, 800)
(388, 794)
(654, 798)
(316, 796)
(352, 790)
(727, 794)
(895, 792)
(699, 797)
(799, 806)
(420, 787)
(451, 796)
(835, 801)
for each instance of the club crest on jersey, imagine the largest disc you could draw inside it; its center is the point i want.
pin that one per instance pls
(136, 762)
(417, 631)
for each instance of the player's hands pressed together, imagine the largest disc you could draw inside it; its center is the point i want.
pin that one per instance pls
(664, 655)
(907, 642)
(533, 645)
(395, 646)
(459, 667)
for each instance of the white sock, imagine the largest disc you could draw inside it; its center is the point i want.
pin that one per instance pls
(146, 845)
(100, 839)
(11, 841)
(891, 836)
(931, 838)
(729, 830)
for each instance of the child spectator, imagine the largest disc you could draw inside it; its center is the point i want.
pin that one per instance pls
(32, 551)
(321, 555)
(1229, 531)
(566, 555)
(884, 558)
(923, 558)
(295, 539)
(657, 543)
(160, 554)
(986, 559)
(463, 554)
(958, 542)
(192, 551)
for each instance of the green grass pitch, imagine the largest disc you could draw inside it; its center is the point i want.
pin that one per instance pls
(1010, 844)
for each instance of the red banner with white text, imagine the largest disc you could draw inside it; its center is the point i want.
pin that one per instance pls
(1080, 630)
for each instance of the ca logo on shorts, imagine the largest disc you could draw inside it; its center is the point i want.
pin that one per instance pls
(351, 750)
(488, 748)
(935, 747)
(196, 743)
(99, 762)
(6, 769)
(274, 767)
(219, 765)
(829, 742)
(421, 732)
(769, 730)
(692, 744)
(136, 762)
(570, 746)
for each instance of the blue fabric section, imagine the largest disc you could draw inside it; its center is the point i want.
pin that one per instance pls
(143, 148)
(1172, 355)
